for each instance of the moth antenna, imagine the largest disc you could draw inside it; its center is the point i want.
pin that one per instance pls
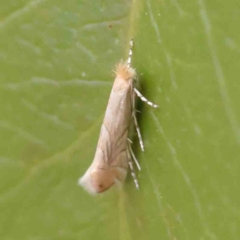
(144, 99)
(129, 60)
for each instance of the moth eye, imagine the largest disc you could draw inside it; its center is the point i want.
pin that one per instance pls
(100, 186)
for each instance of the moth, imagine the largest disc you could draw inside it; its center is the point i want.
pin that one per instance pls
(114, 154)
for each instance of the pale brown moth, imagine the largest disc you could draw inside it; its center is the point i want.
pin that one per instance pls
(114, 153)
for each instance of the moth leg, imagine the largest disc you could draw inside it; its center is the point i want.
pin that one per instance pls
(133, 174)
(144, 99)
(130, 163)
(138, 131)
(133, 155)
(135, 121)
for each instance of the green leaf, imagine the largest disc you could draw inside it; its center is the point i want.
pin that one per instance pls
(56, 61)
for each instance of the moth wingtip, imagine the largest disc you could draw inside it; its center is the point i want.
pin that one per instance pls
(85, 182)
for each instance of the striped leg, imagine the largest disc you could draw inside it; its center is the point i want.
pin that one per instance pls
(144, 99)
(133, 155)
(133, 174)
(130, 162)
(135, 121)
(138, 131)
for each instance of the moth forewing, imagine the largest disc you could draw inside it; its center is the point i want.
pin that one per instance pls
(110, 163)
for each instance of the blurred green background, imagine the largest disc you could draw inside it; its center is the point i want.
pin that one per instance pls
(56, 61)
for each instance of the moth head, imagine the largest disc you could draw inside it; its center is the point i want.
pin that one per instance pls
(97, 180)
